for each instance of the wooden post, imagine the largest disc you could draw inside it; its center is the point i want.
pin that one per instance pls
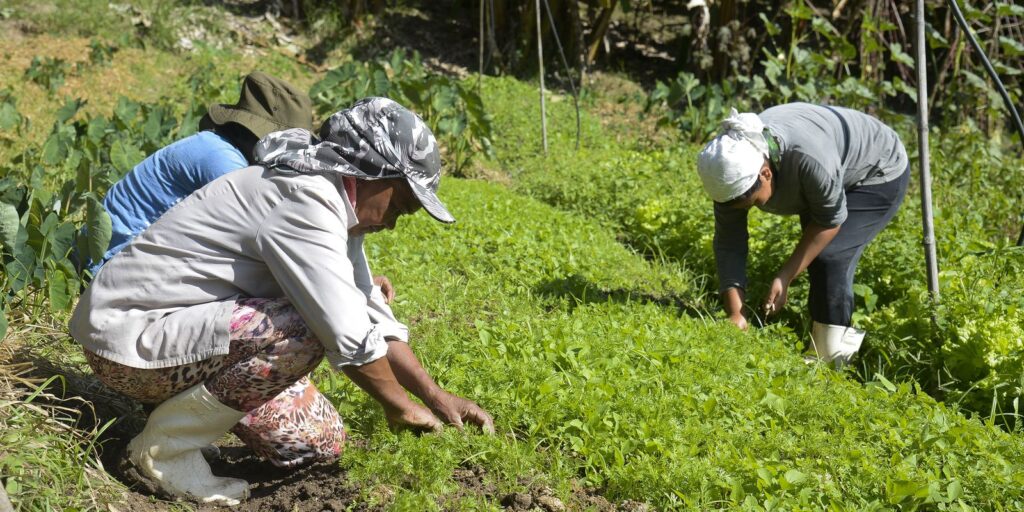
(922, 142)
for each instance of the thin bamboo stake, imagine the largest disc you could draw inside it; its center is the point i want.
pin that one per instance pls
(922, 142)
(540, 65)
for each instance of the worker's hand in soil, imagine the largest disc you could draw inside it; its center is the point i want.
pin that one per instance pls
(458, 411)
(386, 288)
(777, 296)
(413, 417)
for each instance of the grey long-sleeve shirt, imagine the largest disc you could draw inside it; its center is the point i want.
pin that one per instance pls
(824, 151)
(168, 298)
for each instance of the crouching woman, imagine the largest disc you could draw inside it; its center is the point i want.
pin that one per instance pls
(221, 308)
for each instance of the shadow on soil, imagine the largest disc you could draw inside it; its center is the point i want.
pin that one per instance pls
(582, 291)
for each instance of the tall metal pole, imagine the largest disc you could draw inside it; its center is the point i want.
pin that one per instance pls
(540, 64)
(922, 142)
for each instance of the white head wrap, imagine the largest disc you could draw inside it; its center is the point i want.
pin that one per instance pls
(728, 165)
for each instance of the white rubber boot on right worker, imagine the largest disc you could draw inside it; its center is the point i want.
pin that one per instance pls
(835, 344)
(168, 450)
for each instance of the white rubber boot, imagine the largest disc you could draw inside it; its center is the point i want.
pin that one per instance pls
(168, 450)
(835, 343)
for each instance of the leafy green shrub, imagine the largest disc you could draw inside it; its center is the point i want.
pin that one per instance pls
(100, 53)
(11, 121)
(451, 107)
(51, 191)
(48, 73)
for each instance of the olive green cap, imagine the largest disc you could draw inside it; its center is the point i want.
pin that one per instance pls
(267, 104)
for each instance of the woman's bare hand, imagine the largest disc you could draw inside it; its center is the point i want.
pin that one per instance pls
(413, 417)
(386, 289)
(457, 411)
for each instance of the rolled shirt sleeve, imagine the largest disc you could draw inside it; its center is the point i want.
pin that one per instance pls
(378, 310)
(304, 242)
(731, 247)
(822, 188)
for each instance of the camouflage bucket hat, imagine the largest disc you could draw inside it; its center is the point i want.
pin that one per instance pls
(376, 138)
(266, 104)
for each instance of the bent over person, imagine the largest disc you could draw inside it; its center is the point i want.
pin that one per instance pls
(220, 309)
(843, 172)
(225, 142)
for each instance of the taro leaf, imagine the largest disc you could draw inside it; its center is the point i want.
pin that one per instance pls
(124, 156)
(98, 227)
(61, 240)
(9, 117)
(55, 149)
(70, 108)
(58, 290)
(443, 99)
(98, 127)
(151, 128)
(125, 111)
(20, 269)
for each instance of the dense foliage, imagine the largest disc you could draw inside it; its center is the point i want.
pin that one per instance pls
(974, 353)
(452, 108)
(545, 319)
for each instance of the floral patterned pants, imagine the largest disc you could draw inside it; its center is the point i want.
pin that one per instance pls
(264, 374)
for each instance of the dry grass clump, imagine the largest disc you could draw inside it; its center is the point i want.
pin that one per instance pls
(46, 461)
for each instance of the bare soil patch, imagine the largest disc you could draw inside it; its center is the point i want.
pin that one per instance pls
(314, 488)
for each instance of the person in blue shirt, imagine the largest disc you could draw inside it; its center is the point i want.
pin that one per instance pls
(225, 143)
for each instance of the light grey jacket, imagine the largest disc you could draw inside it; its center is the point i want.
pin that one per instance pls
(168, 298)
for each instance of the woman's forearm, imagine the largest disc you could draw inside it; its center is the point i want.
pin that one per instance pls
(813, 240)
(410, 372)
(378, 379)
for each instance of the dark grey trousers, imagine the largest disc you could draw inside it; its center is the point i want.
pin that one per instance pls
(869, 208)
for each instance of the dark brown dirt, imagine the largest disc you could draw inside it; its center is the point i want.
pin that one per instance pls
(315, 488)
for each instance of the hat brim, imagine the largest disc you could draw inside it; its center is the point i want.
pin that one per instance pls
(259, 126)
(431, 203)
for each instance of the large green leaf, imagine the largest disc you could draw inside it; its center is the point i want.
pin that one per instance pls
(9, 226)
(70, 108)
(58, 290)
(3, 324)
(125, 156)
(9, 117)
(98, 228)
(55, 149)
